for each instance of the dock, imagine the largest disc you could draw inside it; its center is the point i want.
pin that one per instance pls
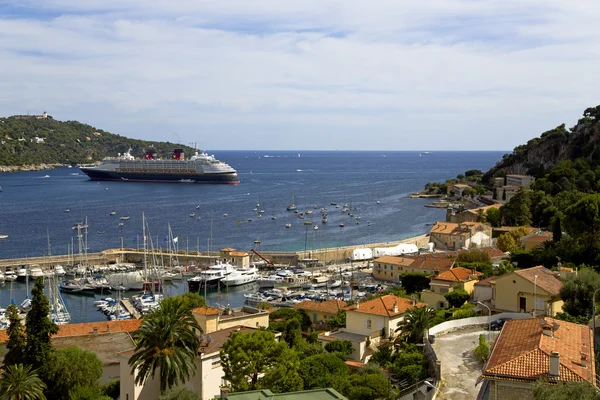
(130, 308)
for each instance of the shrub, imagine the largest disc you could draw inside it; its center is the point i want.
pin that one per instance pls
(482, 351)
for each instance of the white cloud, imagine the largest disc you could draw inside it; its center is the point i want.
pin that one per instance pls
(444, 74)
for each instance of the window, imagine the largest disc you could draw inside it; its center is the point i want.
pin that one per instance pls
(385, 267)
(443, 290)
(127, 396)
(368, 323)
(216, 362)
(391, 274)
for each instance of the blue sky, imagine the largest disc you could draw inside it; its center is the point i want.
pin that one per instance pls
(308, 74)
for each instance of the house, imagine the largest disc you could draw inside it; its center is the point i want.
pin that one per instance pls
(535, 239)
(532, 349)
(240, 259)
(496, 255)
(389, 268)
(211, 319)
(208, 379)
(519, 180)
(505, 193)
(451, 236)
(107, 339)
(370, 322)
(320, 312)
(482, 290)
(472, 215)
(458, 190)
(498, 182)
(266, 394)
(447, 281)
(515, 292)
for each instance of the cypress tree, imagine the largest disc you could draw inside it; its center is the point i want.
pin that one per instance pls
(556, 229)
(38, 329)
(16, 337)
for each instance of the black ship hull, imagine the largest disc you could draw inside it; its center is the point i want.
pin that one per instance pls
(196, 286)
(103, 175)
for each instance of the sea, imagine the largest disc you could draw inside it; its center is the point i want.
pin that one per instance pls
(38, 209)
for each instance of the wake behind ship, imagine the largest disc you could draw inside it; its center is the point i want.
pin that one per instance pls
(200, 168)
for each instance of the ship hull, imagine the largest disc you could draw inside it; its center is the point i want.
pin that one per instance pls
(103, 175)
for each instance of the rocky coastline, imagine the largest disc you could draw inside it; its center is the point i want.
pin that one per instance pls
(33, 167)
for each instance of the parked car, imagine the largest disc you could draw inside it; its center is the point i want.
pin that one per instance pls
(498, 324)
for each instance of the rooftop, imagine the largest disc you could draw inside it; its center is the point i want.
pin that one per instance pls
(394, 260)
(483, 209)
(522, 351)
(486, 282)
(238, 254)
(343, 335)
(458, 274)
(107, 346)
(241, 312)
(266, 394)
(461, 185)
(538, 237)
(451, 228)
(543, 278)
(329, 306)
(384, 306)
(214, 341)
(206, 310)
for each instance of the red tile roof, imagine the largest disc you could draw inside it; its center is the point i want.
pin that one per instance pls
(458, 274)
(486, 282)
(522, 351)
(214, 341)
(384, 306)
(451, 228)
(545, 279)
(89, 328)
(329, 306)
(206, 310)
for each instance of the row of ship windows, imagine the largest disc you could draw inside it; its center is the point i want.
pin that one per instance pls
(191, 171)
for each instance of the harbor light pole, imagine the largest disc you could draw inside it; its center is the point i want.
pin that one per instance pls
(489, 321)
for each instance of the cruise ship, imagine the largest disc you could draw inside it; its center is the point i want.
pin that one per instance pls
(200, 168)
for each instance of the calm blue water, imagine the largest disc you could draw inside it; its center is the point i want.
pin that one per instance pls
(31, 206)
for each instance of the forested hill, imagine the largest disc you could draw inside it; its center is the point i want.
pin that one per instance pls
(560, 143)
(34, 140)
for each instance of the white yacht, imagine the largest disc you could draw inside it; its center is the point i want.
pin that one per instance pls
(22, 275)
(241, 276)
(10, 276)
(210, 277)
(36, 273)
(127, 280)
(59, 270)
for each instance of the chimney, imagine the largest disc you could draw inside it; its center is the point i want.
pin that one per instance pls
(395, 307)
(107, 328)
(95, 331)
(554, 371)
(546, 328)
(356, 305)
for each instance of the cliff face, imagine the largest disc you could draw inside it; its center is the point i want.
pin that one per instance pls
(560, 143)
(35, 140)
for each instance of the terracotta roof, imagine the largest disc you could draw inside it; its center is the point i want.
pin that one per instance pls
(484, 209)
(238, 254)
(493, 251)
(214, 341)
(537, 237)
(529, 229)
(87, 328)
(451, 228)
(486, 282)
(385, 306)
(433, 261)
(461, 185)
(522, 351)
(394, 260)
(228, 249)
(545, 279)
(206, 310)
(458, 274)
(329, 306)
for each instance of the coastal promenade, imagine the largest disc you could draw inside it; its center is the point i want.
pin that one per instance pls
(136, 256)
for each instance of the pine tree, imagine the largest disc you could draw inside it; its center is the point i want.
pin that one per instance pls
(16, 337)
(38, 329)
(556, 229)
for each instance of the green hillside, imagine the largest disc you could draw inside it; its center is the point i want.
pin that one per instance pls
(68, 142)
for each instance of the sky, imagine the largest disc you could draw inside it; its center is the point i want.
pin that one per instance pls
(305, 74)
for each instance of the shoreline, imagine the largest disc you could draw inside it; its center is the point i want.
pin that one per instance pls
(38, 167)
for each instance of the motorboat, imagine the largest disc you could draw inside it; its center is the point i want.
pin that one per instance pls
(133, 280)
(125, 218)
(288, 225)
(22, 275)
(241, 276)
(210, 277)
(10, 276)
(76, 287)
(112, 213)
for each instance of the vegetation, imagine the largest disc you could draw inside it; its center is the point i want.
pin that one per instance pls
(69, 142)
(577, 292)
(415, 322)
(482, 351)
(16, 337)
(338, 321)
(179, 393)
(342, 347)
(167, 341)
(70, 368)
(457, 297)
(509, 241)
(542, 390)
(20, 382)
(414, 282)
(474, 256)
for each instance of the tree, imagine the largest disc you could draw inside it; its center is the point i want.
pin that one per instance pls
(410, 366)
(493, 216)
(20, 382)
(415, 322)
(167, 341)
(179, 393)
(414, 282)
(324, 370)
(556, 229)
(339, 346)
(457, 297)
(38, 329)
(474, 256)
(285, 376)
(16, 337)
(338, 321)
(367, 386)
(577, 291)
(542, 390)
(583, 217)
(482, 351)
(86, 393)
(112, 389)
(71, 367)
(517, 212)
(194, 300)
(506, 242)
(245, 355)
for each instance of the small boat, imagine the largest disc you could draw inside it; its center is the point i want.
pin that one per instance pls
(186, 181)
(225, 214)
(288, 225)
(273, 217)
(341, 225)
(46, 176)
(198, 207)
(67, 210)
(333, 203)
(101, 232)
(316, 227)
(192, 214)
(125, 218)
(112, 213)
(249, 219)
(120, 224)
(324, 220)
(308, 212)
(292, 205)
(378, 202)
(3, 236)
(307, 223)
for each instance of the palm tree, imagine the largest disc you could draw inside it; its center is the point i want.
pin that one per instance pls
(21, 383)
(168, 341)
(415, 322)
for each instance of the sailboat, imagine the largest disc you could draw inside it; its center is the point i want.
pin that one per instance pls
(292, 205)
(3, 235)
